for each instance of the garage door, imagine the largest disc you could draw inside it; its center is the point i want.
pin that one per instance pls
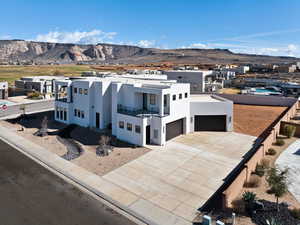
(210, 123)
(174, 129)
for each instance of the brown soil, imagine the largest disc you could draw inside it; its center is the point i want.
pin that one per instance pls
(252, 119)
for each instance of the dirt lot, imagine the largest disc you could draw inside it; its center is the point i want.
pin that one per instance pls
(32, 195)
(252, 119)
(87, 138)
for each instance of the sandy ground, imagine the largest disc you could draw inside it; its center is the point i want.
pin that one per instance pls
(252, 119)
(87, 138)
(32, 195)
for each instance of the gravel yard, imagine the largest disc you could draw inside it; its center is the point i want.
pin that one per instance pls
(86, 138)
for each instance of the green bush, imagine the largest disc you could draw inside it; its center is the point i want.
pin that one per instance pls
(259, 170)
(279, 142)
(295, 213)
(249, 196)
(271, 151)
(289, 130)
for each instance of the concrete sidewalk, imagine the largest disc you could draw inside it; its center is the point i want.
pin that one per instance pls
(290, 158)
(112, 193)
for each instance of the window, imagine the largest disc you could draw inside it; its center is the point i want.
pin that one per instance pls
(80, 91)
(75, 90)
(152, 99)
(192, 119)
(174, 97)
(121, 124)
(137, 129)
(129, 126)
(165, 100)
(185, 95)
(180, 96)
(155, 133)
(75, 112)
(85, 91)
(78, 113)
(57, 112)
(65, 114)
(82, 114)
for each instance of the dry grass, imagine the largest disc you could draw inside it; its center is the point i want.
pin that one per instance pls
(12, 73)
(254, 181)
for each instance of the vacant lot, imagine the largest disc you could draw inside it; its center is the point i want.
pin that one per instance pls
(12, 73)
(86, 138)
(32, 195)
(252, 119)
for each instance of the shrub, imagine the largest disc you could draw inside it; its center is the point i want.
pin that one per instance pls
(238, 206)
(295, 213)
(34, 95)
(279, 142)
(259, 170)
(249, 196)
(271, 151)
(289, 130)
(265, 163)
(253, 182)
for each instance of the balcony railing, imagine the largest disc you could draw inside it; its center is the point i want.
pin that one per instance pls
(131, 111)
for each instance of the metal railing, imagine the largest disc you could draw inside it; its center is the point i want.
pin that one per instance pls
(131, 111)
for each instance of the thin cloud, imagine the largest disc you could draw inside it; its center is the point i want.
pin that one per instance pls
(146, 43)
(78, 37)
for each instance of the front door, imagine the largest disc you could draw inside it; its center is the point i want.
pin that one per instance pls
(148, 130)
(97, 120)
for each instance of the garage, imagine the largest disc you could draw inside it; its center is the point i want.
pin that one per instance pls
(210, 123)
(174, 129)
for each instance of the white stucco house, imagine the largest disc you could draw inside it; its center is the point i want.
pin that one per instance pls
(139, 111)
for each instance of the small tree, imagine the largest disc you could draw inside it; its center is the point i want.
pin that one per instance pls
(104, 145)
(277, 181)
(289, 130)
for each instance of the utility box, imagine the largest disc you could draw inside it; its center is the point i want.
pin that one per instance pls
(206, 220)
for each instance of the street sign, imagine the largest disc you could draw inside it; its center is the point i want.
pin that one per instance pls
(3, 107)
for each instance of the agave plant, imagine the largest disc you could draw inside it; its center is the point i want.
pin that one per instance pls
(249, 196)
(272, 221)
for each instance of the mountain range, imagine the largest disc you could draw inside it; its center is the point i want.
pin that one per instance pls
(12, 51)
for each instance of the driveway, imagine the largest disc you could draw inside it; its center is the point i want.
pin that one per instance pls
(290, 158)
(173, 181)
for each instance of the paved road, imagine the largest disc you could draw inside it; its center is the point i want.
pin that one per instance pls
(29, 108)
(32, 195)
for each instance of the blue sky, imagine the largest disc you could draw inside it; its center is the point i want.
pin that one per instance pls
(246, 26)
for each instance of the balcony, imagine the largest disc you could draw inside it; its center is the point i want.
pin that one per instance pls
(131, 111)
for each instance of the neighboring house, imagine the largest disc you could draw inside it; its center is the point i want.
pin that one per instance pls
(42, 84)
(196, 78)
(3, 90)
(286, 68)
(139, 111)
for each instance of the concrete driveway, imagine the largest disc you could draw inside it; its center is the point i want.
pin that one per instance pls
(173, 181)
(290, 158)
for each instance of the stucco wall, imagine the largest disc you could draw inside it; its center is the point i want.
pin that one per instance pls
(235, 188)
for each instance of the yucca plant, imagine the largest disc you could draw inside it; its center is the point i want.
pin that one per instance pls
(272, 221)
(249, 196)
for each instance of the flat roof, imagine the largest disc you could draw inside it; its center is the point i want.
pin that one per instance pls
(203, 98)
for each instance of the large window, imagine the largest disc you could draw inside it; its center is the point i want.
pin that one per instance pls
(137, 129)
(129, 126)
(80, 91)
(152, 99)
(180, 96)
(174, 97)
(85, 91)
(121, 124)
(75, 112)
(75, 90)
(186, 95)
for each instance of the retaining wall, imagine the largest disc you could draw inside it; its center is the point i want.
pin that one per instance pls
(265, 142)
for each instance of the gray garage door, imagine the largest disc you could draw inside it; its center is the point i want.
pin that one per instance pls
(174, 129)
(210, 123)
